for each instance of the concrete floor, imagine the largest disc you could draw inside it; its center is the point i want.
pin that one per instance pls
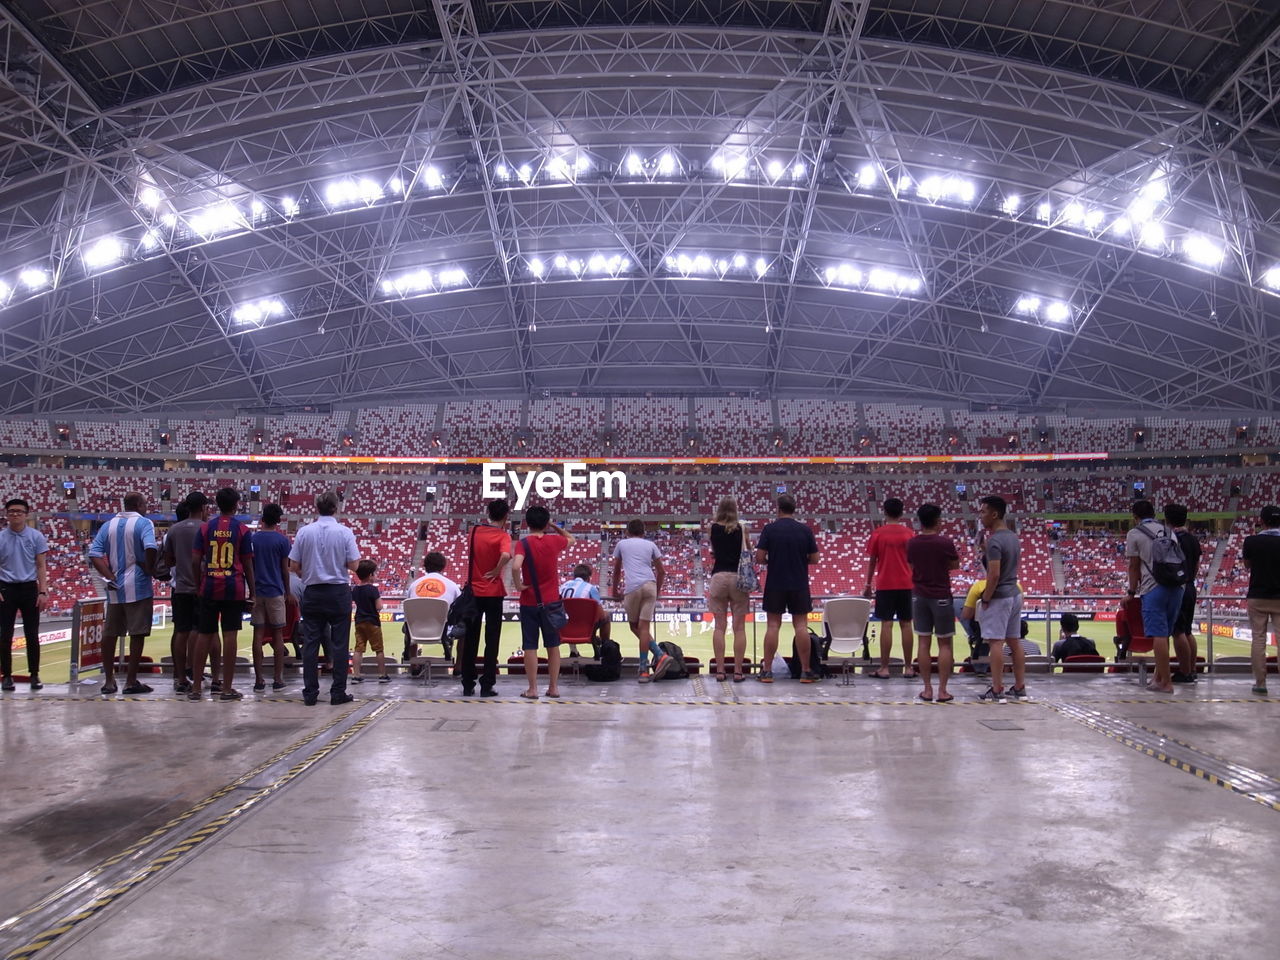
(832, 821)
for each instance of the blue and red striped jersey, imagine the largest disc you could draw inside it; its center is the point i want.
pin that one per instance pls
(223, 547)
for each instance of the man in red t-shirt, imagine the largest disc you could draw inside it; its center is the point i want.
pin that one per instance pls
(887, 549)
(539, 552)
(491, 553)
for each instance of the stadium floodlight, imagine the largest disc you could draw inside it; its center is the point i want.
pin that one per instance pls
(1057, 312)
(1272, 278)
(1202, 251)
(866, 176)
(702, 263)
(103, 253)
(582, 163)
(524, 172)
(258, 312)
(502, 171)
(395, 185)
(1011, 204)
(761, 266)
(537, 267)
(1029, 305)
(1073, 213)
(34, 278)
(798, 171)
(667, 163)
(221, 218)
(1122, 226)
(558, 169)
(149, 197)
(352, 190)
(904, 183)
(432, 178)
(1152, 236)
(453, 277)
(1093, 219)
(388, 286)
(739, 261)
(561, 262)
(1156, 189)
(596, 263)
(731, 165)
(1142, 210)
(575, 266)
(1044, 212)
(935, 188)
(633, 165)
(289, 206)
(170, 219)
(256, 207)
(416, 281)
(774, 169)
(880, 279)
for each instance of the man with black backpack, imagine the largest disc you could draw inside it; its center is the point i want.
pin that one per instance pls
(1157, 572)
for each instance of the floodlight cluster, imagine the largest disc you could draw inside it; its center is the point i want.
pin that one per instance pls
(1053, 311)
(708, 265)
(257, 312)
(871, 279)
(955, 189)
(103, 253)
(1271, 279)
(352, 191)
(579, 265)
(423, 281)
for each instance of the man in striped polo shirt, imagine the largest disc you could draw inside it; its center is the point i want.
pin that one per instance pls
(223, 551)
(124, 552)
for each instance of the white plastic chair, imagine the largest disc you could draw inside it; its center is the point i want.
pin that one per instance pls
(424, 617)
(845, 619)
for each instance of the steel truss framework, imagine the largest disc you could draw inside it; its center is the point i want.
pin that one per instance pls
(158, 333)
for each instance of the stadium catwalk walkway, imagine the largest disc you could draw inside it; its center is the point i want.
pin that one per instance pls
(686, 819)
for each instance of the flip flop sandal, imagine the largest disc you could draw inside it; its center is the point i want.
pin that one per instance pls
(877, 676)
(721, 678)
(921, 696)
(738, 678)
(553, 696)
(947, 699)
(765, 676)
(528, 696)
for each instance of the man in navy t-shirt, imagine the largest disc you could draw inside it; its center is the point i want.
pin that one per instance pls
(788, 548)
(271, 573)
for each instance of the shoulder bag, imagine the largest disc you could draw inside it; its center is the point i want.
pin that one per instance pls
(748, 575)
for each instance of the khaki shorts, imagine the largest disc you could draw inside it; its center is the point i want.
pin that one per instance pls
(370, 634)
(128, 619)
(268, 612)
(639, 603)
(723, 595)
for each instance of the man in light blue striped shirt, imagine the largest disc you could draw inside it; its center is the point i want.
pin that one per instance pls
(124, 553)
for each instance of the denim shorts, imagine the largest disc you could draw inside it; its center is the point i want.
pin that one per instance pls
(1160, 608)
(531, 625)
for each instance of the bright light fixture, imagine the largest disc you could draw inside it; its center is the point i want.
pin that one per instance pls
(761, 266)
(350, 191)
(1045, 211)
(257, 312)
(867, 176)
(633, 164)
(453, 277)
(525, 173)
(935, 188)
(395, 185)
(1202, 251)
(432, 178)
(1011, 204)
(34, 278)
(774, 169)
(1272, 278)
(798, 170)
(1073, 213)
(1027, 305)
(1122, 226)
(289, 206)
(667, 163)
(1152, 236)
(537, 267)
(256, 207)
(220, 218)
(103, 253)
(1057, 312)
(502, 172)
(731, 165)
(149, 197)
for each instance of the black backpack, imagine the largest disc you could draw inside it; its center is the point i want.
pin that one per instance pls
(678, 669)
(609, 669)
(817, 645)
(1168, 562)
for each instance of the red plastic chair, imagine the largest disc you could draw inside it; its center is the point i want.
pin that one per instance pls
(582, 621)
(1084, 663)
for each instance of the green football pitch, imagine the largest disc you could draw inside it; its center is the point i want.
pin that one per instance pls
(695, 643)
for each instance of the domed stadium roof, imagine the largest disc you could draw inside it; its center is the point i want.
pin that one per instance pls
(273, 204)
